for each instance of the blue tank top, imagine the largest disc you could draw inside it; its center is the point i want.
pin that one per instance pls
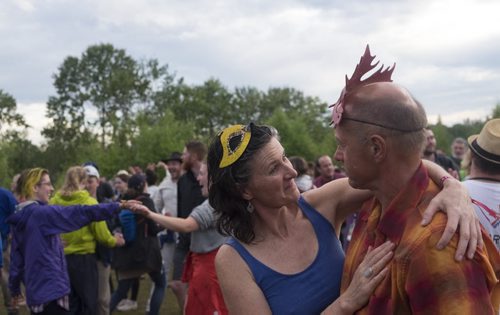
(311, 290)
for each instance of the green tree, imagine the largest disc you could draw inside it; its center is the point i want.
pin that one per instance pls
(496, 111)
(8, 112)
(246, 105)
(105, 83)
(296, 138)
(154, 142)
(18, 153)
(97, 99)
(207, 106)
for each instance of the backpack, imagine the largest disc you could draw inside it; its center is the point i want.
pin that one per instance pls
(129, 225)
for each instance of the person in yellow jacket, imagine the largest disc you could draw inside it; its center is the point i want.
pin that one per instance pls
(79, 245)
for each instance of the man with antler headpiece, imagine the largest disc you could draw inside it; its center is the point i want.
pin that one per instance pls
(379, 129)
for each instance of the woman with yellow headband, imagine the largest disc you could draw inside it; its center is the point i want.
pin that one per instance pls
(284, 256)
(37, 257)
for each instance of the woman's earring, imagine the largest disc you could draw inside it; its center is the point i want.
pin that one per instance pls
(250, 207)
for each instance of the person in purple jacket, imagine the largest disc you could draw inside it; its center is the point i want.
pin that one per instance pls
(37, 257)
(7, 207)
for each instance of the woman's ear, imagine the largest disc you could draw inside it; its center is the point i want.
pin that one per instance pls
(245, 193)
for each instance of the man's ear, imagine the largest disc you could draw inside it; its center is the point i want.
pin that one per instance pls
(378, 148)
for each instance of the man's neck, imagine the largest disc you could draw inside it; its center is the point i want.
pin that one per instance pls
(196, 168)
(393, 179)
(477, 173)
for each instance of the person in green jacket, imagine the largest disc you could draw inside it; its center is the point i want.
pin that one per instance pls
(79, 245)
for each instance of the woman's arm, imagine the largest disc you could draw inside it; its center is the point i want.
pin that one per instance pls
(455, 201)
(171, 223)
(336, 200)
(241, 294)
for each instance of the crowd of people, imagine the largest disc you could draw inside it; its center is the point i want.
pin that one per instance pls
(239, 228)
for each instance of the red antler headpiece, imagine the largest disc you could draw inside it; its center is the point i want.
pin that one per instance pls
(364, 66)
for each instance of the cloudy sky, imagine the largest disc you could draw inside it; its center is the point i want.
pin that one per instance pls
(447, 51)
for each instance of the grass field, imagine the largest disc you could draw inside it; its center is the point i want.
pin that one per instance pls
(169, 305)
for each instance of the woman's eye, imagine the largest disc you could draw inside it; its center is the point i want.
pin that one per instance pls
(273, 169)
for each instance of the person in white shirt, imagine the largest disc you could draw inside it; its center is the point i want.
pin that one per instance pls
(483, 182)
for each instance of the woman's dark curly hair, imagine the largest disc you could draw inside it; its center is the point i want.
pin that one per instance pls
(226, 184)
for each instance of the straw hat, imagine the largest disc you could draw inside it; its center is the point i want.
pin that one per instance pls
(487, 143)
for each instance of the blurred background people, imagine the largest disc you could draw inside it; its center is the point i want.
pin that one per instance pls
(204, 294)
(430, 153)
(327, 171)
(304, 181)
(166, 204)
(7, 207)
(141, 254)
(483, 182)
(37, 254)
(458, 149)
(80, 245)
(188, 196)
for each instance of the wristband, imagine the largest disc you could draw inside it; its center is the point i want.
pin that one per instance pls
(443, 179)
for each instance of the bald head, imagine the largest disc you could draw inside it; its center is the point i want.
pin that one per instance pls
(388, 105)
(388, 109)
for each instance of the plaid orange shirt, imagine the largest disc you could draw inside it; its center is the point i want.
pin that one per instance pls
(422, 279)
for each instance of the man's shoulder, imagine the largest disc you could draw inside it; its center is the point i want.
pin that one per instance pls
(415, 235)
(187, 177)
(445, 161)
(319, 181)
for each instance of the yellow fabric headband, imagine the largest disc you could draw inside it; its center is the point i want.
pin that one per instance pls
(229, 155)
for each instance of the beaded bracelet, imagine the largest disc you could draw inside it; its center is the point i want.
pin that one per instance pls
(443, 179)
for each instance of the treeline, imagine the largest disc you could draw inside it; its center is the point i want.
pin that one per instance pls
(118, 111)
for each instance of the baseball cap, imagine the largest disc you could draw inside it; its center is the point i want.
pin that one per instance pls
(91, 171)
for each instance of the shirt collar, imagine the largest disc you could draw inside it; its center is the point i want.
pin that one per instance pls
(393, 220)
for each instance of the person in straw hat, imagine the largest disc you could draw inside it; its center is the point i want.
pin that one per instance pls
(483, 182)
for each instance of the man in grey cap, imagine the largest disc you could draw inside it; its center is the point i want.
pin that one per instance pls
(166, 203)
(484, 178)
